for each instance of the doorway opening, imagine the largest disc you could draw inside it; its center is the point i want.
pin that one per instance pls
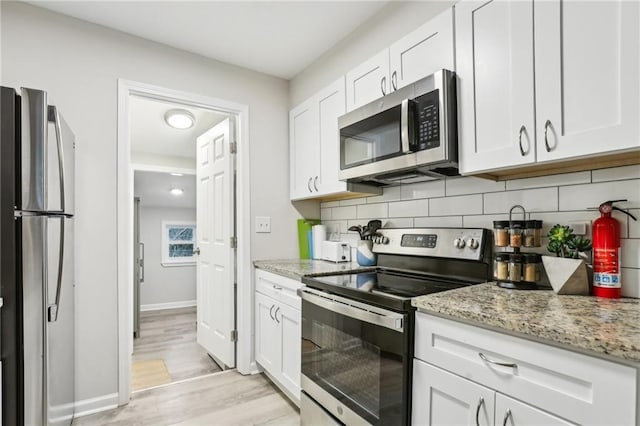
(181, 191)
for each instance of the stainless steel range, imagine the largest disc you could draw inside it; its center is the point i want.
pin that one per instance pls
(357, 328)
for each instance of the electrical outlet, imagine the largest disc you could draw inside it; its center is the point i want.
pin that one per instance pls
(263, 224)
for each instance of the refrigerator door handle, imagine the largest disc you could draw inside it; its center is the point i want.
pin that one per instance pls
(53, 117)
(53, 309)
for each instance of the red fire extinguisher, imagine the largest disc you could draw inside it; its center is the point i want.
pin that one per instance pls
(606, 252)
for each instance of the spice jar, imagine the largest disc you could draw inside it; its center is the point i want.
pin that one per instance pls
(516, 228)
(501, 266)
(501, 233)
(515, 267)
(531, 267)
(533, 233)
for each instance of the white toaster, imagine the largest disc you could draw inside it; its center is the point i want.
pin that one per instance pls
(336, 251)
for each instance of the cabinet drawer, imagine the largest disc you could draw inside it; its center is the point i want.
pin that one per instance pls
(280, 288)
(584, 389)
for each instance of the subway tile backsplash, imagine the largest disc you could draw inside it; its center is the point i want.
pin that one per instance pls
(474, 202)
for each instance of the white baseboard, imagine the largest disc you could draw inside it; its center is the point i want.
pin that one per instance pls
(90, 406)
(170, 305)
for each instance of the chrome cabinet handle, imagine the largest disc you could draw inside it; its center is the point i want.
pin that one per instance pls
(480, 404)
(315, 183)
(271, 311)
(502, 364)
(309, 185)
(507, 414)
(394, 80)
(383, 83)
(275, 287)
(522, 130)
(547, 124)
(275, 314)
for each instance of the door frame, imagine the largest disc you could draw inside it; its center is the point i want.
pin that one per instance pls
(125, 168)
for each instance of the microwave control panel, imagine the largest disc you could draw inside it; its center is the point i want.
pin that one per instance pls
(427, 120)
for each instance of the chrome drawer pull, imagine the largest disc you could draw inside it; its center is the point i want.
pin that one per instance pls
(507, 414)
(546, 141)
(480, 404)
(501, 364)
(275, 287)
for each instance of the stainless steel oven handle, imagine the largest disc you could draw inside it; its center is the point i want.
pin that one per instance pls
(352, 309)
(404, 126)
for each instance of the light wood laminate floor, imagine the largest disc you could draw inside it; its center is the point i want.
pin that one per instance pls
(168, 337)
(226, 398)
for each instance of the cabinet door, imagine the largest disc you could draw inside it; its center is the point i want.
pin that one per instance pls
(304, 149)
(267, 335)
(587, 87)
(424, 51)
(288, 320)
(510, 412)
(442, 398)
(331, 105)
(368, 81)
(494, 59)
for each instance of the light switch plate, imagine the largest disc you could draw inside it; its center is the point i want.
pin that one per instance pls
(263, 224)
(579, 227)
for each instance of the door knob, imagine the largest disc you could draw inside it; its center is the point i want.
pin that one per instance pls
(197, 251)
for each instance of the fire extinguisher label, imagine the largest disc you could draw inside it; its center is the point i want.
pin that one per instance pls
(606, 280)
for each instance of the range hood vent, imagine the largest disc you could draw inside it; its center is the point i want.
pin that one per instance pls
(413, 175)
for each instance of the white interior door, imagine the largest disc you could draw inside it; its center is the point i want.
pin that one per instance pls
(215, 273)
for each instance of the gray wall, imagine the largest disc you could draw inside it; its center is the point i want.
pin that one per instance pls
(473, 202)
(79, 64)
(162, 284)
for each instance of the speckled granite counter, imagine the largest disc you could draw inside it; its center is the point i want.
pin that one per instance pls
(297, 268)
(602, 326)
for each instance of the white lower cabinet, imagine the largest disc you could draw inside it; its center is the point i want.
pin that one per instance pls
(277, 330)
(470, 375)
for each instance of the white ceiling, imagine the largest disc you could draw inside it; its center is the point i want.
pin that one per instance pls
(274, 37)
(153, 189)
(151, 135)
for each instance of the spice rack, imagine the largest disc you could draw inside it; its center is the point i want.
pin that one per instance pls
(511, 268)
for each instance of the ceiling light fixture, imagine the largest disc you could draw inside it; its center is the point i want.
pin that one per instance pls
(176, 174)
(179, 118)
(177, 191)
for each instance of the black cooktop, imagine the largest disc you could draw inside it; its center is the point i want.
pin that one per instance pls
(385, 288)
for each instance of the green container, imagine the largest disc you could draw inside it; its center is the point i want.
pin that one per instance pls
(304, 231)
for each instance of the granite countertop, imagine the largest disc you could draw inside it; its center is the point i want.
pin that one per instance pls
(298, 268)
(604, 326)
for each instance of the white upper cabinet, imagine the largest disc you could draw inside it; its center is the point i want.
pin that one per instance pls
(368, 81)
(331, 105)
(423, 52)
(587, 56)
(494, 45)
(418, 54)
(304, 149)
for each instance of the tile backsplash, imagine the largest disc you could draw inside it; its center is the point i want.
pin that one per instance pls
(474, 202)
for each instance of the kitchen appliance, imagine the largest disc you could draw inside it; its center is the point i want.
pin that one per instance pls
(409, 135)
(37, 261)
(336, 251)
(319, 236)
(357, 328)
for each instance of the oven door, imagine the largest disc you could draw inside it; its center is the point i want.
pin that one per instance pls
(356, 359)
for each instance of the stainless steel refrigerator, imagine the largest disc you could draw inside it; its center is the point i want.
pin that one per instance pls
(37, 345)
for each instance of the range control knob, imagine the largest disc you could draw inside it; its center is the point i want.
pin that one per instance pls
(473, 244)
(458, 243)
(381, 240)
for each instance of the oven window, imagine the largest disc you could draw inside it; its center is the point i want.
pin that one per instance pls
(360, 364)
(372, 139)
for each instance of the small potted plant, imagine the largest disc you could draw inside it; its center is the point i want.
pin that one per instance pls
(567, 270)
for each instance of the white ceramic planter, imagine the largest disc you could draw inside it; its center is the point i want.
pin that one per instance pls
(567, 276)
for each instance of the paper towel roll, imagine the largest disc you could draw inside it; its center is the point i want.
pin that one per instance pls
(319, 235)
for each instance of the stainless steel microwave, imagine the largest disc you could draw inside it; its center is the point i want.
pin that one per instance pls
(409, 135)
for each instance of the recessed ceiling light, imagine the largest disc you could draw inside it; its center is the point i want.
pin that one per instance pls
(177, 191)
(179, 118)
(176, 174)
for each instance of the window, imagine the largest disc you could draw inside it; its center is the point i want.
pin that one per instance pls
(178, 243)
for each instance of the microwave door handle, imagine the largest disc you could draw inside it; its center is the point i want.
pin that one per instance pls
(53, 117)
(405, 124)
